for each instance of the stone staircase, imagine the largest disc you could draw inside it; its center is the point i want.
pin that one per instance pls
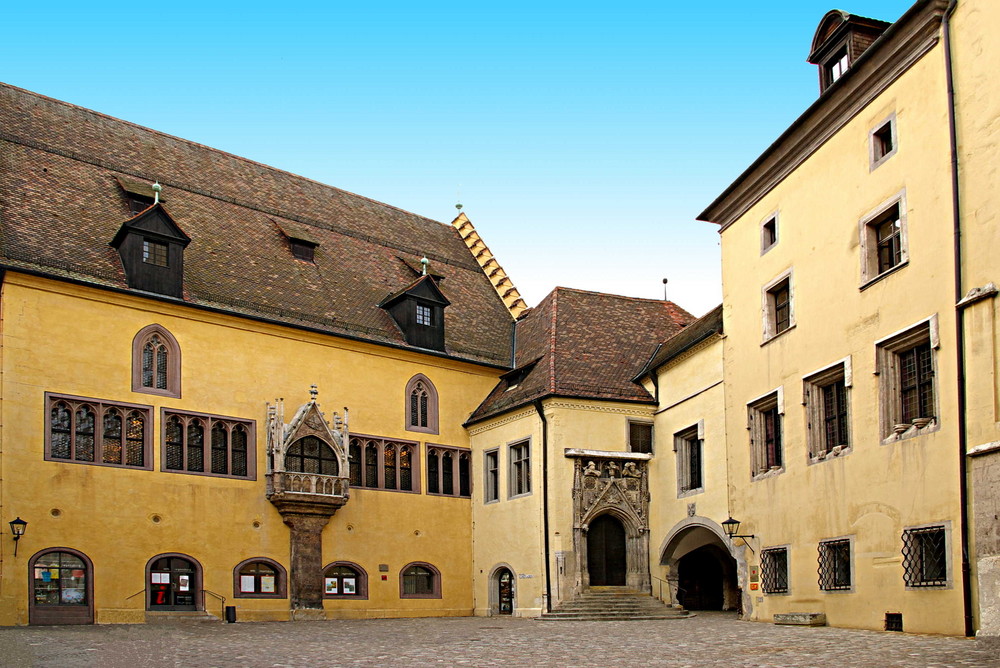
(613, 604)
(180, 617)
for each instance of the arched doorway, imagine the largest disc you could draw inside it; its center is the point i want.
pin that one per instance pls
(606, 552)
(503, 591)
(61, 587)
(701, 569)
(173, 582)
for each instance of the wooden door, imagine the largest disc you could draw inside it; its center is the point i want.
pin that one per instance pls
(606, 552)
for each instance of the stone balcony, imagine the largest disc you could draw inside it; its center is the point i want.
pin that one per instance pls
(307, 493)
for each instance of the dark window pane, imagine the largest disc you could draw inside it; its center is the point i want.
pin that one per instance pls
(432, 472)
(175, 444)
(355, 462)
(196, 446)
(448, 473)
(371, 465)
(135, 440)
(60, 425)
(405, 468)
(111, 449)
(147, 364)
(220, 454)
(463, 476)
(239, 447)
(161, 367)
(84, 450)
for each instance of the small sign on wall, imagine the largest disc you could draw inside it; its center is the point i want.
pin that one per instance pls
(755, 574)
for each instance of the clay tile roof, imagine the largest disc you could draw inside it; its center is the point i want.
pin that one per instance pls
(705, 327)
(587, 345)
(64, 169)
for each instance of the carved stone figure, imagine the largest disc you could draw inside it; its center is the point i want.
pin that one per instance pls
(591, 469)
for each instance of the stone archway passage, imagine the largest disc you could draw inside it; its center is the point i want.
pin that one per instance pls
(606, 560)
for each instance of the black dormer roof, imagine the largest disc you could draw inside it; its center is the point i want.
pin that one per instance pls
(151, 246)
(418, 311)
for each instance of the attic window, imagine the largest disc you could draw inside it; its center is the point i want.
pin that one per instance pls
(153, 252)
(138, 203)
(837, 66)
(423, 315)
(302, 250)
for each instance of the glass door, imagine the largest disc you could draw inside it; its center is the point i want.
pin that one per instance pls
(173, 584)
(60, 592)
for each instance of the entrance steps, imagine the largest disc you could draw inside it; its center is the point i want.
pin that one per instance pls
(614, 604)
(180, 617)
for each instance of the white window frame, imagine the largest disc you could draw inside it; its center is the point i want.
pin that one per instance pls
(949, 569)
(512, 492)
(683, 440)
(487, 487)
(867, 232)
(764, 245)
(875, 160)
(768, 310)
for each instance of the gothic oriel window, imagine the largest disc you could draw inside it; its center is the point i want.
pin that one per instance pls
(421, 405)
(311, 455)
(98, 432)
(156, 362)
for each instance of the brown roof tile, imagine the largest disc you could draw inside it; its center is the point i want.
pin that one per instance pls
(584, 344)
(61, 204)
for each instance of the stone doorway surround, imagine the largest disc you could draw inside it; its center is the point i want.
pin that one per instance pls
(615, 484)
(696, 532)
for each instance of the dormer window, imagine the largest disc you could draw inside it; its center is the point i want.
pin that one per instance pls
(151, 247)
(418, 311)
(153, 252)
(302, 250)
(837, 65)
(138, 203)
(839, 42)
(301, 241)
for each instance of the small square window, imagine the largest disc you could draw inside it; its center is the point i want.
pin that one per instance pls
(774, 570)
(423, 315)
(302, 250)
(925, 557)
(883, 142)
(640, 437)
(153, 252)
(835, 565)
(768, 234)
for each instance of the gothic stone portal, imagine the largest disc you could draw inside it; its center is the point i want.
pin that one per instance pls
(611, 519)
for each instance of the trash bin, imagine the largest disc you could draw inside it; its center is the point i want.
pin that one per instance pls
(230, 614)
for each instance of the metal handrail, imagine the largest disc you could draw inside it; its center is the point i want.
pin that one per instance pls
(218, 596)
(141, 591)
(659, 586)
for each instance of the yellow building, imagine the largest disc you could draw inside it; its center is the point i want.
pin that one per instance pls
(859, 350)
(159, 345)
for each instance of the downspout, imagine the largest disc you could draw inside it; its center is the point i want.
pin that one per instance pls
(963, 490)
(545, 501)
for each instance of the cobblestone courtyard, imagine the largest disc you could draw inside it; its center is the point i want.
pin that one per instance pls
(706, 640)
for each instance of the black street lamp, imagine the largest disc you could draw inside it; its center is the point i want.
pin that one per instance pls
(731, 527)
(17, 530)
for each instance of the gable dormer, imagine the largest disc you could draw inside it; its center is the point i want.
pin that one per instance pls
(151, 246)
(418, 311)
(839, 41)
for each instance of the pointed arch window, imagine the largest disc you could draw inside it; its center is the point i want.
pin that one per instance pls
(379, 463)
(448, 471)
(90, 431)
(208, 445)
(156, 362)
(421, 405)
(311, 455)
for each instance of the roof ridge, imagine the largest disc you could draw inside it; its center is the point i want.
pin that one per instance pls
(213, 149)
(563, 288)
(553, 338)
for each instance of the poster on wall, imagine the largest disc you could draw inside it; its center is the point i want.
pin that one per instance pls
(160, 578)
(349, 586)
(246, 584)
(183, 583)
(267, 584)
(331, 586)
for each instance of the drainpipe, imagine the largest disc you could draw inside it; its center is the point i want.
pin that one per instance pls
(963, 491)
(545, 501)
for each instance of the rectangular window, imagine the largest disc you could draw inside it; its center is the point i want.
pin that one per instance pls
(381, 463)
(764, 417)
(777, 306)
(774, 570)
(837, 65)
(905, 362)
(519, 455)
(825, 395)
(101, 433)
(768, 234)
(925, 557)
(640, 437)
(153, 252)
(835, 565)
(688, 447)
(491, 467)
(423, 315)
(208, 445)
(883, 240)
(448, 471)
(882, 141)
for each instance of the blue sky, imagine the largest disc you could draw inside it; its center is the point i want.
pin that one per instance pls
(582, 138)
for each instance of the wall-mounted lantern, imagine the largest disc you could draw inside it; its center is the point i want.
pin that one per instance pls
(732, 527)
(17, 527)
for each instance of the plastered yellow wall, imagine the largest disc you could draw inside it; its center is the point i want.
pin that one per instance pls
(74, 340)
(875, 490)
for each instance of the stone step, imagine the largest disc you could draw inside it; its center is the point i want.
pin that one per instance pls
(180, 617)
(614, 604)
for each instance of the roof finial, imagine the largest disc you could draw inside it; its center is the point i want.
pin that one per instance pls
(313, 392)
(424, 262)
(459, 198)
(664, 289)
(156, 192)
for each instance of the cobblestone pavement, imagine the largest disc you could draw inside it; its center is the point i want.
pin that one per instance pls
(710, 639)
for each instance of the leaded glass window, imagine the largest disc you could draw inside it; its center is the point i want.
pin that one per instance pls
(311, 455)
(379, 463)
(96, 432)
(207, 444)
